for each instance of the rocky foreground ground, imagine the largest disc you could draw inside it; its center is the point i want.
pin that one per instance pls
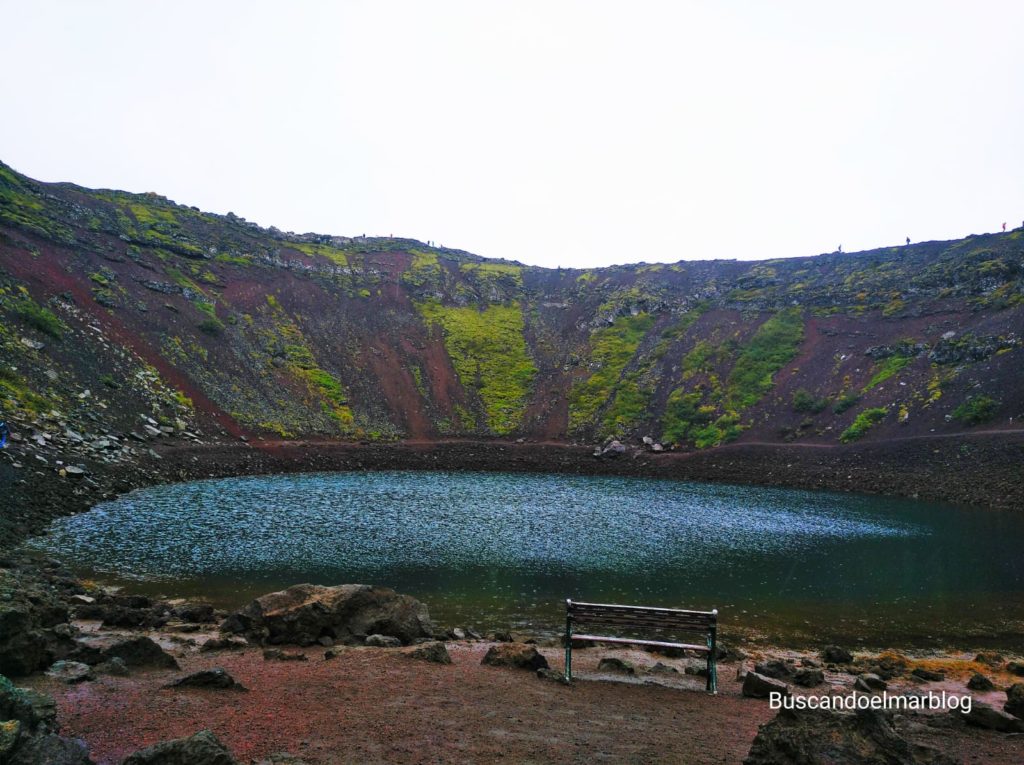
(359, 674)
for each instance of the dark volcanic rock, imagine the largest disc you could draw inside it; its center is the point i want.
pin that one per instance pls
(809, 677)
(928, 675)
(70, 672)
(434, 651)
(196, 613)
(984, 716)
(306, 612)
(758, 686)
(776, 668)
(203, 748)
(979, 682)
(50, 749)
(833, 654)
(869, 682)
(519, 655)
(612, 664)
(208, 678)
(819, 737)
(1015, 700)
(140, 651)
(30, 612)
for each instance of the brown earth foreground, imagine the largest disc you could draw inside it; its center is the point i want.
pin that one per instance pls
(373, 705)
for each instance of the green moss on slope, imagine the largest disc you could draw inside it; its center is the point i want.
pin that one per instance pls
(773, 346)
(488, 351)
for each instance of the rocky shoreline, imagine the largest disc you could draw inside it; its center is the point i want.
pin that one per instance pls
(104, 652)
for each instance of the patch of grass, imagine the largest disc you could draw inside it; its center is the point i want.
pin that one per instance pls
(976, 410)
(38, 317)
(488, 351)
(863, 423)
(804, 401)
(612, 349)
(845, 401)
(211, 326)
(886, 369)
(773, 346)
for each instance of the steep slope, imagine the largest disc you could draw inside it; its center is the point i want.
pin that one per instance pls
(122, 305)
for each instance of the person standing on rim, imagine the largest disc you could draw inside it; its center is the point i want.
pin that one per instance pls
(4, 432)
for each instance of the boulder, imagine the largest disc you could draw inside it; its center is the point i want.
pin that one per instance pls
(984, 716)
(928, 675)
(306, 612)
(196, 613)
(833, 654)
(758, 686)
(518, 655)
(70, 672)
(776, 668)
(383, 641)
(203, 748)
(29, 614)
(276, 654)
(208, 678)
(1015, 700)
(114, 666)
(435, 651)
(223, 644)
(979, 682)
(612, 664)
(140, 651)
(1015, 668)
(809, 677)
(52, 750)
(824, 737)
(663, 669)
(869, 682)
(990, 659)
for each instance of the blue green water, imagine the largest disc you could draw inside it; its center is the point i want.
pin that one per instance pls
(501, 550)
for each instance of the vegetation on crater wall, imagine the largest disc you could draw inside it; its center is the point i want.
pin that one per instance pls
(976, 410)
(863, 423)
(612, 348)
(488, 350)
(773, 346)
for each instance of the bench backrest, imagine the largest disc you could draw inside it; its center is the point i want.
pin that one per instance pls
(641, 617)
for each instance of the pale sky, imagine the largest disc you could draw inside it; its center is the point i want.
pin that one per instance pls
(553, 132)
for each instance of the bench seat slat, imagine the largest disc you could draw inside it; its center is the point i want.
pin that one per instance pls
(641, 622)
(632, 641)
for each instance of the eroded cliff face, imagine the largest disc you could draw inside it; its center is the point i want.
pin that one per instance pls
(117, 307)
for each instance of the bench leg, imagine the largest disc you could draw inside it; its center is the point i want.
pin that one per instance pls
(568, 650)
(712, 685)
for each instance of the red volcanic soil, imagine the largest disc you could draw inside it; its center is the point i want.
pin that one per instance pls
(372, 705)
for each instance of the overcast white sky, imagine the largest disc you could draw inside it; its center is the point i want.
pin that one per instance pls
(554, 133)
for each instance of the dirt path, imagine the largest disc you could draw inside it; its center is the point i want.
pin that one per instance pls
(375, 706)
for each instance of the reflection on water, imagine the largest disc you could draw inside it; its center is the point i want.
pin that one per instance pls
(501, 549)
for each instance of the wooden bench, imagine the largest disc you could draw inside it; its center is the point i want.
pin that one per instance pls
(671, 620)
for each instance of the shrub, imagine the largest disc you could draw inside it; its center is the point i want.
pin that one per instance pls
(211, 326)
(864, 422)
(976, 409)
(803, 401)
(39, 318)
(845, 401)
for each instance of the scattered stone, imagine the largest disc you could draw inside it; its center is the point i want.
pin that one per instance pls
(1015, 700)
(70, 672)
(141, 651)
(809, 677)
(434, 651)
(776, 668)
(984, 716)
(51, 749)
(1015, 668)
(928, 675)
(334, 653)
(979, 682)
(663, 669)
(204, 748)
(612, 664)
(546, 673)
(208, 678)
(81, 600)
(816, 737)
(833, 654)
(990, 658)
(304, 613)
(889, 665)
(223, 644)
(196, 613)
(869, 682)
(114, 666)
(458, 633)
(383, 641)
(502, 637)
(276, 654)
(758, 686)
(519, 655)
(326, 641)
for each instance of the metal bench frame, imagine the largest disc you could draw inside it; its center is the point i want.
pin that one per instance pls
(639, 617)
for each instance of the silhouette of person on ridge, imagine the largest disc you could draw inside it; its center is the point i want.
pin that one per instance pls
(4, 432)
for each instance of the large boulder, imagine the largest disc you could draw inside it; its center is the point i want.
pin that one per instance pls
(984, 716)
(28, 730)
(758, 686)
(140, 651)
(347, 612)
(33, 624)
(518, 655)
(822, 737)
(203, 748)
(208, 678)
(52, 750)
(1015, 700)
(434, 651)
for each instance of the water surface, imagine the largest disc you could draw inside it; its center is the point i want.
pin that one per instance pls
(504, 550)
